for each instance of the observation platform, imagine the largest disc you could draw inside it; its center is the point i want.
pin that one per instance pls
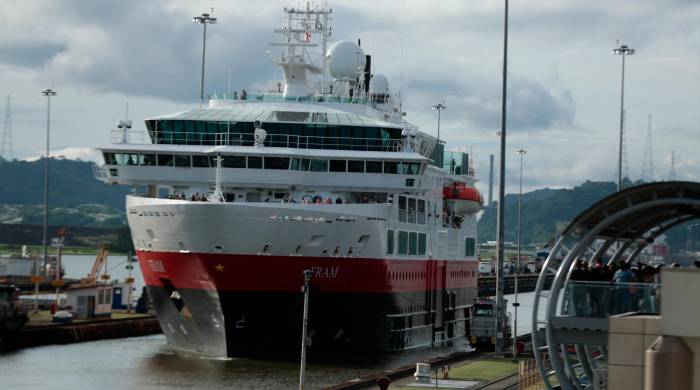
(571, 320)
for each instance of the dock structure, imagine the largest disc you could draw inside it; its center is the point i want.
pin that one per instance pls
(98, 329)
(573, 335)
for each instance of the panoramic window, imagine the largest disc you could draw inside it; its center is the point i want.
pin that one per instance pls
(148, 159)
(200, 161)
(233, 162)
(337, 165)
(374, 167)
(109, 159)
(182, 161)
(255, 162)
(165, 160)
(410, 168)
(391, 167)
(356, 166)
(277, 163)
(319, 165)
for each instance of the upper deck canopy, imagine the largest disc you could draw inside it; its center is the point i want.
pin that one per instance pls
(290, 112)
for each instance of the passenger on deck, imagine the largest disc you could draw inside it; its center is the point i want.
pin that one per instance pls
(338, 201)
(329, 200)
(244, 95)
(235, 95)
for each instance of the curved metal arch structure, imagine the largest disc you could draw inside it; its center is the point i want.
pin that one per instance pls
(623, 223)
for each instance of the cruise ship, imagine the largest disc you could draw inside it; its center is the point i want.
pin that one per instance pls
(233, 201)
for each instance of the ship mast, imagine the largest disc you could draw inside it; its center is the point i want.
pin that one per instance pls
(296, 60)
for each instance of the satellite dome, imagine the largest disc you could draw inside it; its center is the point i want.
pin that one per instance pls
(379, 85)
(345, 60)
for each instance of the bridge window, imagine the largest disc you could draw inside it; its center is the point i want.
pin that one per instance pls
(255, 162)
(148, 159)
(165, 160)
(319, 166)
(276, 162)
(410, 168)
(337, 165)
(200, 161)
(374, 167)
(470, 246)
(182, 161)
(356, 166)
(233, 162)
(391, 167)
(109, 158)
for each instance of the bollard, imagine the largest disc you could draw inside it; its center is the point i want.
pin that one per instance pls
(383, 383)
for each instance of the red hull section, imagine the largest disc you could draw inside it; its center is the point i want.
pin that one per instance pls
(235, 273)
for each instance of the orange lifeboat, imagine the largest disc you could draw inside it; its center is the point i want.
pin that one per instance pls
(462, 199)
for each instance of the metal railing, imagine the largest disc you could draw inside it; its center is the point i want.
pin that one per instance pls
(603, 299)
(247, 139)
(277, 97)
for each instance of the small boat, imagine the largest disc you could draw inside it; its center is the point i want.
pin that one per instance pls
(462, 199)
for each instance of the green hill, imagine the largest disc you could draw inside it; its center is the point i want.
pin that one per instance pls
(76, 198)
(542, 211)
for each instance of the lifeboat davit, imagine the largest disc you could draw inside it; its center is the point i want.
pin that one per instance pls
(462, 199)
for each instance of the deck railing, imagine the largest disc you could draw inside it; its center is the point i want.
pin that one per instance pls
(247, 139)
(603, 299)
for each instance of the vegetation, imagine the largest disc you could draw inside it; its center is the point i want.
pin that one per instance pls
(76, 198)
(542, 211)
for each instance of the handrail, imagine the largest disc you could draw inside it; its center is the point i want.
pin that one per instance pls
(248, 139)
(602, 299)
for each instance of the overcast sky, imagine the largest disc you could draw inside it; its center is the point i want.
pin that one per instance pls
(563, 84)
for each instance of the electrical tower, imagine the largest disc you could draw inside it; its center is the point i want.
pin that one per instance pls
(6, 144)
(648, 161)
(625, 165)
(672, 174)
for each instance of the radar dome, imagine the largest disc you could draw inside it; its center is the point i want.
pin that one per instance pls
(345, 60)
(379, 85)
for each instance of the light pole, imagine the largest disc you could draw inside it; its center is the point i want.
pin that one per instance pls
(439, 107)
(304, 328)
(48, 93)
(500, 303)
(521, 152)
(204, 19)
(624, 51)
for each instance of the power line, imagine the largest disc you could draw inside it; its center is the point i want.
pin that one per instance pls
(6, 151)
